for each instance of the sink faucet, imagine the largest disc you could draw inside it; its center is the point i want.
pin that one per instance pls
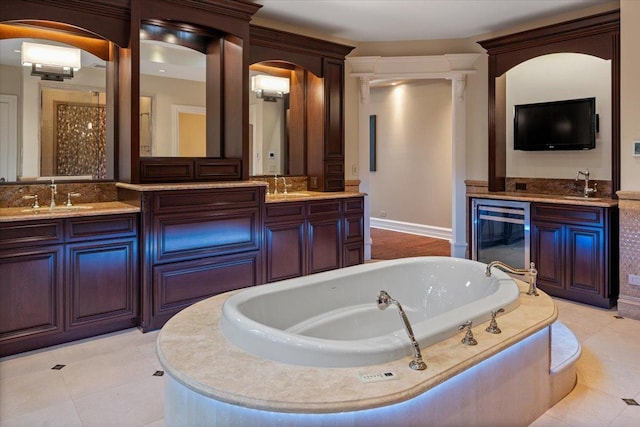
(532, 272)
(384, 299)
(587, 191)
(54, 190)
(275, 184)
(284, 184)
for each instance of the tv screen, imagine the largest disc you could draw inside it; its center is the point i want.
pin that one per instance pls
(558, 125)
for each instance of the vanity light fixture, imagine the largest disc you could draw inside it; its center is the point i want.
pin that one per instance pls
(268, 87)
(50, 62)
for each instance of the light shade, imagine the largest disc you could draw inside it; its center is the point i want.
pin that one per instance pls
(54, 56)
(270, 84)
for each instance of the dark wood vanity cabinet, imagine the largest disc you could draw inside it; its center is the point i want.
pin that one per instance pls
(306, 237)
(196, 244)
(572, 247)
(66, 279)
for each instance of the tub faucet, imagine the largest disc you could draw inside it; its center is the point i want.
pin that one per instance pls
(587, 190)
(532, 272)
(384, 299)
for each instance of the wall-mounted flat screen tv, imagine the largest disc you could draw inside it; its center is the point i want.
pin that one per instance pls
(559, 125)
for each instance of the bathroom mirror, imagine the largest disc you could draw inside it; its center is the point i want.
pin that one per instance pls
(276, 119)
(53, 125)
(173, 95)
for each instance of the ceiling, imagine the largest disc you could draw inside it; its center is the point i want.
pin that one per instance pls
(387, 20)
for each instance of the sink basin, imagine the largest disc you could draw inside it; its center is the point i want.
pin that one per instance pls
(581, 198)
(45, 209)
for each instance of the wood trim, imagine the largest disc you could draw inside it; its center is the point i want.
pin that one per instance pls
(597, 35)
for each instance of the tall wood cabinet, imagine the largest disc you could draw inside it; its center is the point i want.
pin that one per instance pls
(317, 133)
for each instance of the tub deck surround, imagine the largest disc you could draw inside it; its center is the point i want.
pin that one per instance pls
(340, 324)
(198, 358)
(81, 209)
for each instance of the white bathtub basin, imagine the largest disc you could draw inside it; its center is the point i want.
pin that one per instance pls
(332, 320)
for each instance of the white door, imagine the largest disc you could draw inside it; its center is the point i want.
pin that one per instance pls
(8, 137)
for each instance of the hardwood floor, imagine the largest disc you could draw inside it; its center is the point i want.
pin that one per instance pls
(391, 245)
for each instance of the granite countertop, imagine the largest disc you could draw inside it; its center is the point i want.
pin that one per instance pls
(81, 209)
(193, 350)
(547, 198)
(301, 196)
(189, 185)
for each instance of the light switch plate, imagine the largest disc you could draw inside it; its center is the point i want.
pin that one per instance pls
(636, 148)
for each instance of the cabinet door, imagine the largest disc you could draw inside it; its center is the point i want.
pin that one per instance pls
(30, 295)
(101, 282)
(547, 253)
(325, 245)
(585, 260)
(285, 250)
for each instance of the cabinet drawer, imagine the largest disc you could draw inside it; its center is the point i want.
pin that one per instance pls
(179, 285)
(284, 211)
(353, 228)
(190, 236)
(86, 228)
(28, 233)
(329, 209)
(180, 201)
(567, 214)
(354, 205)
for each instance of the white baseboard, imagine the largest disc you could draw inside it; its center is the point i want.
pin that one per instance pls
(411, 228)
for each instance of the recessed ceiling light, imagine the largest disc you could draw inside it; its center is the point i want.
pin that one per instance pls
(162, 70)
(17, 50)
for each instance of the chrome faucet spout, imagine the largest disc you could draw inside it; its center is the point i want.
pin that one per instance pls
(54, 190)
(531, 272)
(384, 300)
(587, 190)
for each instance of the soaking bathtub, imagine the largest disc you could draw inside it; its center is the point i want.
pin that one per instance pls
(332, 320)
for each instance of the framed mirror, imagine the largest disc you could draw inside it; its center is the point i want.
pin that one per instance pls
(173, 97)
(173, 92)
(277, 115)
(55, 116)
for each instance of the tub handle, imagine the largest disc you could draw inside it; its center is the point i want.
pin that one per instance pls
(468, 337)
(493, 325)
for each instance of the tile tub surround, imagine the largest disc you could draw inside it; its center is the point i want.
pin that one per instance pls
(191, 341)
(629, 295)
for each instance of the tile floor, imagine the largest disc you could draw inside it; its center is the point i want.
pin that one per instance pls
(109, 381)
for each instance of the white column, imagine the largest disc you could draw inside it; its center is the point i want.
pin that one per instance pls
(459, 168)
(363, 160)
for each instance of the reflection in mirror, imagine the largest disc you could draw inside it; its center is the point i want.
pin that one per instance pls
(171, 76)
(270, 116)
(146, 148)
(55, 121)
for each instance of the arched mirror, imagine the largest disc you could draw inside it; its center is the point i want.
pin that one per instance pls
(173, 92)
(55, 105)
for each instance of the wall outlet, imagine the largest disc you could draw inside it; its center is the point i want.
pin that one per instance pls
(634, 279)
(521, 185)
(383, 214)
(354, 170)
